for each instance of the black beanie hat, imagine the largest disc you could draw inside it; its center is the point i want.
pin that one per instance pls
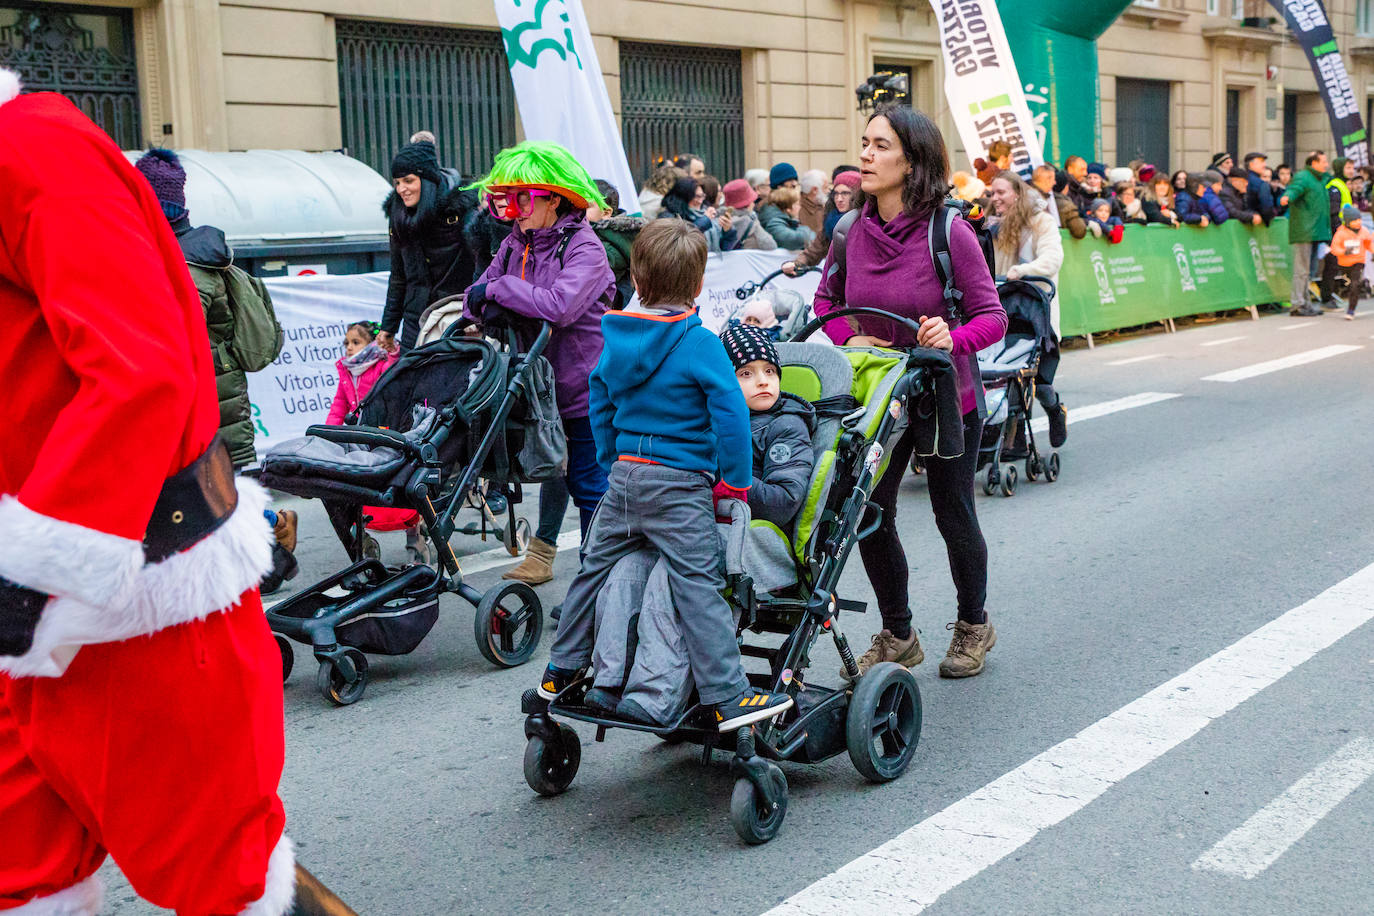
(417, 159)
(745, 343)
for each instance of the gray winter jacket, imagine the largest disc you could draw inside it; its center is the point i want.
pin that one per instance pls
(782, 459)
(785, 230)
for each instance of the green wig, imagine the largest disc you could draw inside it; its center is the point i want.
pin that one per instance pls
(541, 164)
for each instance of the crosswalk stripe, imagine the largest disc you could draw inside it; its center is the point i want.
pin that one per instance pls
(911, 871)
(1286, 362)
(1103, 408)
(1224, 340)
(1134, 359)
(1256, 844)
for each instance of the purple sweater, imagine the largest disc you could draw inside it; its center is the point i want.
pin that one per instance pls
(888, 267)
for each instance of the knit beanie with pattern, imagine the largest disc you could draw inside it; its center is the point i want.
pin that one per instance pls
(745, 343)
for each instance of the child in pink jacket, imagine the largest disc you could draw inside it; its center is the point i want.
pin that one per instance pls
(362, 364)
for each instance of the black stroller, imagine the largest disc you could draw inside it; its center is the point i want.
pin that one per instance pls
(1009, 369)
(443, 415)
(863, 397)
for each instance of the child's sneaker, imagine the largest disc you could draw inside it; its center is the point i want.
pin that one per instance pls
(555, 681)
(1350, 315)
(601, 700)
(750, 706)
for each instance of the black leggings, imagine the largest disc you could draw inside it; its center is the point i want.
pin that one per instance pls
(950, 482)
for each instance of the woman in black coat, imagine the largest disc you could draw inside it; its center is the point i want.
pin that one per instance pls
(431, 256)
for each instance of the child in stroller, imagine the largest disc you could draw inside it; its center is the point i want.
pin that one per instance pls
(1009, 369)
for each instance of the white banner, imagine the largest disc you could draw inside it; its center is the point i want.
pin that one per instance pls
(559, 87)
(984, 92)
(297, 389)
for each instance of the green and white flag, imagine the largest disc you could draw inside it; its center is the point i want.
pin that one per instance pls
(984, 92)
(559, 88)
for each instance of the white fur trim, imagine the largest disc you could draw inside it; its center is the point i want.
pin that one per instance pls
(211, 576)
(65, 559)
(280, 892)
(82, 899)
(9, 85)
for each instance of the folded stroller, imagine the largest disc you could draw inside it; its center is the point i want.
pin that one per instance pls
(1009, 368)
(443, 415)
(862, 398)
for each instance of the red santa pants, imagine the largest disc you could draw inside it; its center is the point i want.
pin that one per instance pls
(164, 751)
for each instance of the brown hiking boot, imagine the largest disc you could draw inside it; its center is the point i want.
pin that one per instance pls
(285, 530)
(537, 567)
(888, 648)
(968, 649)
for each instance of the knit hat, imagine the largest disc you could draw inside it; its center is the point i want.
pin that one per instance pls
(1350, 213)
(1100, 202)
(1119, 174)
(761, 310)
(1218, 159)
(1238, 172)
(163, 170)
(783, 171)
(738, 194)
(1146, 173)
(419, 158)
(841, 169)
(745, 343)
(1097, 168)
(849, 180)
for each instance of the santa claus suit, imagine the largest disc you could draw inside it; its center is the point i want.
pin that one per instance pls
(140, 689)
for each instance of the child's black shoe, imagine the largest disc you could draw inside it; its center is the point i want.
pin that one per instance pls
(602, 701)
(750, 706)
(555, 681)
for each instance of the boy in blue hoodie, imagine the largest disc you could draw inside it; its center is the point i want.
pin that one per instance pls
(669, 419)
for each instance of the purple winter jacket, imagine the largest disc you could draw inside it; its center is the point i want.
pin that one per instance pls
(525, 277)
(888, 267)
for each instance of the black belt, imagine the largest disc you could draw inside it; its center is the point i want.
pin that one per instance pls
(193, 503)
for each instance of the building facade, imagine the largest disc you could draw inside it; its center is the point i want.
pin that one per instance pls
(748, 85)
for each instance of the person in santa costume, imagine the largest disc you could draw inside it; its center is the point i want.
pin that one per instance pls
(140, 689)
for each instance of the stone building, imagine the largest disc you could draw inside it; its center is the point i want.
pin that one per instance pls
(743, 83)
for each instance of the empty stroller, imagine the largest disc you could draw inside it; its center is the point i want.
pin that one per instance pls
(1009, 368)
(862, 397)
(443, 415)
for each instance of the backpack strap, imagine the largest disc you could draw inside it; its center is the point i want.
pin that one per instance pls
(941, 225)
(839, 237)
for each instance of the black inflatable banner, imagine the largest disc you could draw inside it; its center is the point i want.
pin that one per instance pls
(1308, 20)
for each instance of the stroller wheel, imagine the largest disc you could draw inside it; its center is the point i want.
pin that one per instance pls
(990, 482)
(1033, 467)
(883, 724)
(288, 655)
(334, 684)
(1052, 468)
(748, 814)
(508, 624)
(1009, 481)
(517, 537)
(549, 769)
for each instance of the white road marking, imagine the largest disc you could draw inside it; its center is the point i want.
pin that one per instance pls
(1101, 409)
(1224, 340)
(1256, 844)
(1134, 359)
(1300, 324)
(911, 871)
(1287, 362)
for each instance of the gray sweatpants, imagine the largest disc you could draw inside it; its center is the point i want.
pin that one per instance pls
(1302, 265)
(653, 505)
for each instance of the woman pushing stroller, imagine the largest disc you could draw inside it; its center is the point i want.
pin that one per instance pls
(904, 174)
(552, 267)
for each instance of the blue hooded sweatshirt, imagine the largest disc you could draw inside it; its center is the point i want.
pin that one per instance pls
(664, 391)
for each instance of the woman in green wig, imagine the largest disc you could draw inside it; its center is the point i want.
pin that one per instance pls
(553, 268)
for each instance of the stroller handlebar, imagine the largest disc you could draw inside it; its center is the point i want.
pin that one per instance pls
(1030, 279)
(353, 435)
(750, 287)
(815, 324)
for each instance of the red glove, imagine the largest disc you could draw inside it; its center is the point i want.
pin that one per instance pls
(1117, 233)
(721, 491)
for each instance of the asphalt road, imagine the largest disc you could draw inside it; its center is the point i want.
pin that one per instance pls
(1176, 530)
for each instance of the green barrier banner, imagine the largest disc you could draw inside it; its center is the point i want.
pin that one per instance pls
(1156, 272)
